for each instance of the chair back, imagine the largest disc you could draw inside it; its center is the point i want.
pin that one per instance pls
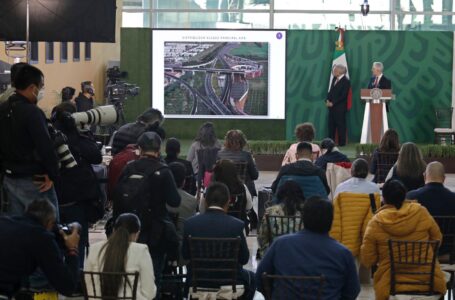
(293, 287)
(241, 170)
(206, 158)
(337, 174)
(93, 282)
(281, 225)
(310, 185)
(447, 227)
(385, 162)
(444, 118)
(214, 262)
(415, 260)
(237, 207)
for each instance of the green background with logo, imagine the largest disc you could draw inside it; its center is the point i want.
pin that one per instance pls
(418, 63)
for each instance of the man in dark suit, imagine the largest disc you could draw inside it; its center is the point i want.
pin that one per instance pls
(215, 223)
(304, 166)
(378, 80)
(438, 200)
(336, 102)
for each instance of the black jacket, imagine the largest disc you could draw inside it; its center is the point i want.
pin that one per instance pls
(332, 157)
(190, 179)
(301, 168)
(438, 200)
(26, 148)
(338, 93)
(129, 133)
(384, 83)
(83, 103)
(27, 245)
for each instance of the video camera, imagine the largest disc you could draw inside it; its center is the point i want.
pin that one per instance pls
(117, 90)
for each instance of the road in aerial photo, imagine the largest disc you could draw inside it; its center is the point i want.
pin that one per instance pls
(213, 78)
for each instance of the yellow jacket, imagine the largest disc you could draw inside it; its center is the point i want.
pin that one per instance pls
(411, 222)
(351, 215)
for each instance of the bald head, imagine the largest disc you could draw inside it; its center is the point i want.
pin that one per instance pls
(435, 172)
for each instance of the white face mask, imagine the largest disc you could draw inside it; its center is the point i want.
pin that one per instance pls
(40, 95)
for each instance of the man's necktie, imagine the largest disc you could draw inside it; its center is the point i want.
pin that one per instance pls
(375, 84)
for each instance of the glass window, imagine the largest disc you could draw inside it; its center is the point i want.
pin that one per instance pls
(212, 20)
(418, 22)
(136, 4)
(354, 5)
(330, 21)
(136, 19)
(76, 51)
(212, 4)
(88, 51)
(49, 52)
(34, 53)
(424, 5)
(63, 52)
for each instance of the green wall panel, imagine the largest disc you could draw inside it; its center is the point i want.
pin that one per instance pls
(418, 63)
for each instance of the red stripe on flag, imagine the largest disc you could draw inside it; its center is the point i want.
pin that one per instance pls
(349, 103)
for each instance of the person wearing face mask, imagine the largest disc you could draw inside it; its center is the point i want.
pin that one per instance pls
(85, 100)
(27, 156)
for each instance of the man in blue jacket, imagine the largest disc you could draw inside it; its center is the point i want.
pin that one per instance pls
(215, 223)
(311, 252)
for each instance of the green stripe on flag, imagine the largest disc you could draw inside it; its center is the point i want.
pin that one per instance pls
(337, 54)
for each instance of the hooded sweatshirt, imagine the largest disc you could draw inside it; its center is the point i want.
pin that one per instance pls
(411, 222)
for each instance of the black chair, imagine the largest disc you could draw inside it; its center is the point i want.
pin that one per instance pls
(444, 133)
(93, 281)
(415, 259)
(447, 249)
(281, 225)
(213, 263)
(292, 287)
(385, 162)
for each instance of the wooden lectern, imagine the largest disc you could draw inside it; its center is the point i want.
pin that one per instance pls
(375, 121)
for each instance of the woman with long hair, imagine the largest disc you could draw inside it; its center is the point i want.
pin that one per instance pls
(409, 168)
(304, 132)
(389, 145)
(290, 197)
(121, 254)
(402, 220)
(206, 138)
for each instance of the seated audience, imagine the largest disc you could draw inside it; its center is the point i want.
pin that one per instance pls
(439, 200)
(311, 252)
(206, 138)
(403, 220)
(358, 183)
(302, 167)
(28, 243)
(172, 155)
(291, 200)
(226, 172)
(188, 204)
(215, 223)
(330, 154)
(149, 121)
(121, 254)
(409, 168)
(304, 133)
(389, 145)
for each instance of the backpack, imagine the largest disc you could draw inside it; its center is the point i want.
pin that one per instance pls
(116, 166)
(133, 195)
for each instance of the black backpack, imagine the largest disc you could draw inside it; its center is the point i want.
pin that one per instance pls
(133, 195)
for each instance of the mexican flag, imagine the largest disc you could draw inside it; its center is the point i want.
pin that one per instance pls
(339, 57)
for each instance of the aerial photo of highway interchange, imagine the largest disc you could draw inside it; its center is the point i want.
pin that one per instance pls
(213, 78)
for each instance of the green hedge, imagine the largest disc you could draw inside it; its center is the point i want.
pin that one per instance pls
(269, 147)
(428, 151)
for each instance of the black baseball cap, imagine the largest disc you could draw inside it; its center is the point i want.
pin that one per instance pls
(149, 141)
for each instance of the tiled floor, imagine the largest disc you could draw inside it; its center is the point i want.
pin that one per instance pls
(265, 179)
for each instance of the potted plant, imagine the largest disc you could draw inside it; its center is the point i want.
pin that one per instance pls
(268, 154)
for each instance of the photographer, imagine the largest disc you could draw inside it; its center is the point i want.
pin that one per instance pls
(85, 100)
(28, 243)
(27, 155)
(78, 186)
(149, 121)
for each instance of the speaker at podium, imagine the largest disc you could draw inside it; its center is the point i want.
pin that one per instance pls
(375, 121)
